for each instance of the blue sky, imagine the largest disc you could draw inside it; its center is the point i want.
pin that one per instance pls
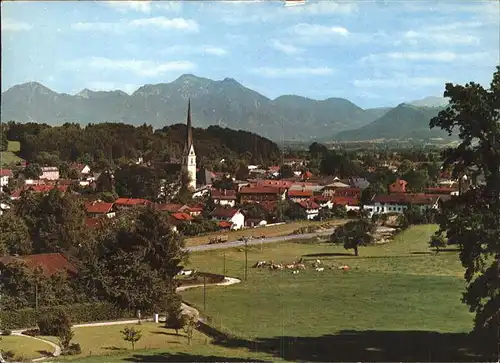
(374, 53)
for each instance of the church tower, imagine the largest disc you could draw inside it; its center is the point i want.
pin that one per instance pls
(189, 156)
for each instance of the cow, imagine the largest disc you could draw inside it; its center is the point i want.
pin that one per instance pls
(319, 269)
(295, 272)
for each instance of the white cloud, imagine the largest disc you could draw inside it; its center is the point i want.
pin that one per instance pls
(285, 48)
(175, 6)
(111, 86)
(315, 30)
(399, 81)
(143, 6)
(445, 57)
(290, 72)
(158, 22)
(139, 67)
(165, 23)
(15, 26)
(322, 8)
(184, 49)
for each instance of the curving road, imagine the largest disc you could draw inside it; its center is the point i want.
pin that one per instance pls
(258, 241)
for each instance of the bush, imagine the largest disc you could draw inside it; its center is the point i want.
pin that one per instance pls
(78, 313)
(56, 323)
(31, 332)
(6, 332)
(8, 355)
(73, 349)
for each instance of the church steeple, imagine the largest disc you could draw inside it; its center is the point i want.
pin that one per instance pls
(189, 155)
(189, 139)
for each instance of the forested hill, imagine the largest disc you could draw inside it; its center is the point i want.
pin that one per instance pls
(109, 143)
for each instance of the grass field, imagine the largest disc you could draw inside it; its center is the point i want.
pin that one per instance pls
(9, 157)
(272, 231)
(398, 302)
(97, 342)
(23, 347)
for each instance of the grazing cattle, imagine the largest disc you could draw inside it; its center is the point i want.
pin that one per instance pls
(345, 268)
(290, 266)
(295, 272)
(318, 262)
(186, 272)
(260, 264)
(300, 266)
(319, 269)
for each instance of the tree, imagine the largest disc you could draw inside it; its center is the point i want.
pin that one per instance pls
(15, 237)
(4, 144)
(354, 234)
(32, 171)
(190, 323)
(317, 150)
(131, 335)
(437, 241)
(472, 219)
(286, 171)
(174, 318)
(242, 173)
(65, 336)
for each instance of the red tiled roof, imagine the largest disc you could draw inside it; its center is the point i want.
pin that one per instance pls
(132, 201)
(351, 201)
(275, 183)
(195, 209)
(225, 224)
(300, 193)
(169, 207)
(261, 190)
(398, 186)
(99, 207)
(309, 204)
(6, 172)
(403, 198)
(47, 188)
(307, 175)
(224, 212)
(50, 263)
(182, 216)
(223, 194)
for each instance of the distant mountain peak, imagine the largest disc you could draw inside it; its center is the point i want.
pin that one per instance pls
(431, 101)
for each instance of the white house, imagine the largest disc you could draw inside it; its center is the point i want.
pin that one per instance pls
(224, 197)
(4, 208)
(5, 174)
(231, 215)
(50, 173)
(397, 203)
(311, 208)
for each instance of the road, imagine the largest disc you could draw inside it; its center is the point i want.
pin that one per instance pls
(258, 241)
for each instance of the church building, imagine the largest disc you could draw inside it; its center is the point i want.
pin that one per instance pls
(189, 155)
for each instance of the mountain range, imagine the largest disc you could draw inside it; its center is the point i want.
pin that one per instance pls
(226, 103)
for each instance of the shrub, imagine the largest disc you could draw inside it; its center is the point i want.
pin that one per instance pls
(131, 335)
(8, 355)
(31, 332)
(78, 313)
(65, 337)
(57, 323)
(6, 332)
(73, 349)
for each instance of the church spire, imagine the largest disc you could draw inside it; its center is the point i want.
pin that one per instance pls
(189, 140)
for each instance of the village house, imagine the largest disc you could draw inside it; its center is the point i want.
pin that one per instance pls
(311, 208)
(298, 195)
(224, 197)
(49, 173)
(4, 207)
(397, 203)
(125, 203)
(81, 169)
(50, 263)
(261, 194)
(100, 209)
(5, 174)
(255, 222)
(230, 215)
(350, 203)
(38, 188)
(399, 186)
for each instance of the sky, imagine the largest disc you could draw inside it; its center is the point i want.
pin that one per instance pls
(374, 53)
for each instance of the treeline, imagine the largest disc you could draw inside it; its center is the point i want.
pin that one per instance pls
(117, 143)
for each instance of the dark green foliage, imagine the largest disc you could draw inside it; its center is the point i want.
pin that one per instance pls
(131, 335)
(472, 220)
(73, 349)
(32, 171)
(106, 144)
(437, 241)
(56, 323)
(197, 227)
(354, 234)
(14, 236)
(338, 164)
(136, 181)
(174, 311)
(4, 143)
(78, 313)
(317, 150)
(286, 171)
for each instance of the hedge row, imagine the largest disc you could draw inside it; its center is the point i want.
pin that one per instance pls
(79, 313)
